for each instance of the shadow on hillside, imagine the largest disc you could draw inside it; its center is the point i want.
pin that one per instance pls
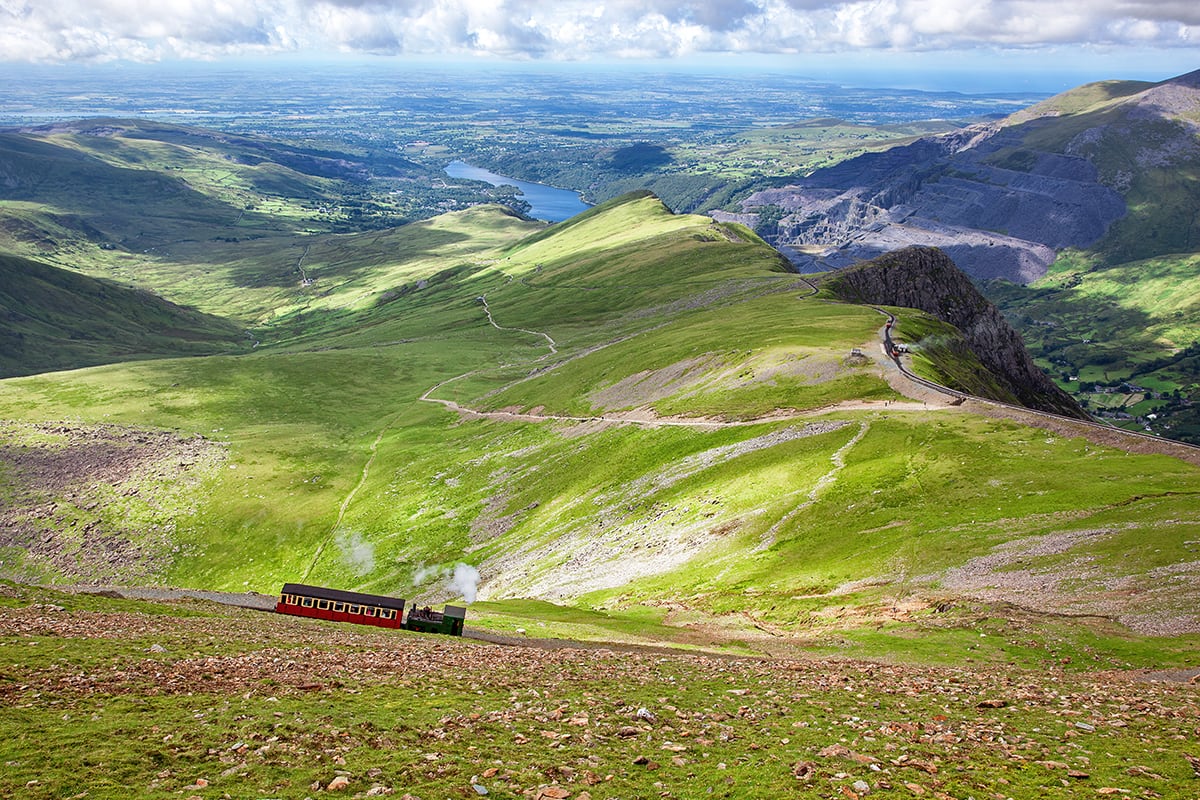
(335, 328)
(319, 265)
(131, 208)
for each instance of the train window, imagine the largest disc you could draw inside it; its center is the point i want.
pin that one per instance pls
(306, 602)
(339, 607)
(369, 611)
(385, 613)
(323, 605)
(354, 609)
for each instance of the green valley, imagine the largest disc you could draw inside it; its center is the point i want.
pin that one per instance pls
(586, 414)
(800, 571)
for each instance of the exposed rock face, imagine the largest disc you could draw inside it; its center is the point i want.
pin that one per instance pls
(999, 220)
(927, 279)
(1002, 198)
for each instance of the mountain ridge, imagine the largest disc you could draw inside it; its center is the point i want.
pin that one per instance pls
(1001, 198)
(633, 412)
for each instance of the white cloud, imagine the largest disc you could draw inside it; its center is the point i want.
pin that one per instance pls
(97, 30)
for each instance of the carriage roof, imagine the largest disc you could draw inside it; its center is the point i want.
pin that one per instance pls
(340, 596)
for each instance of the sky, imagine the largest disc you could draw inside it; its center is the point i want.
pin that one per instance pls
(1146, 39)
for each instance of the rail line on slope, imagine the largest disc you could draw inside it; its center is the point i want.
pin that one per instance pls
(890, 352)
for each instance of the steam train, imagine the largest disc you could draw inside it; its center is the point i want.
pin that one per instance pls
(367, 609)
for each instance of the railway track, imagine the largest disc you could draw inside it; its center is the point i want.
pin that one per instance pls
(1183, 449)
(889, 349)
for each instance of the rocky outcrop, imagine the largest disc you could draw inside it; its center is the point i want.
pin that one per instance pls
(926, 278)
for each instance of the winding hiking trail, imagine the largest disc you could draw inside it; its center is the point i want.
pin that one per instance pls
(838, 459)
(549, 342)
(304, 279)
(645, 417)
(366, 471)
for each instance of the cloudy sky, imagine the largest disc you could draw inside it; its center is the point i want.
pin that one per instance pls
(1160, 36)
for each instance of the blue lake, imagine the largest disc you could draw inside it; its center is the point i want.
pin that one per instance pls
(548, 203)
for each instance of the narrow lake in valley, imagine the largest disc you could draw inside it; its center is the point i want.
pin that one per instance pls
(548, 202)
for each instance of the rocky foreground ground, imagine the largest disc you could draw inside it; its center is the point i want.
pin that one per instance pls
(194, 700)
(96, 502)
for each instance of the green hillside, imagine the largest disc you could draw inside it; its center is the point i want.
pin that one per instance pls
(197, 215)
(132, 195)
(635, 413)
(52, 319)
(1116, 324)
(725, 547)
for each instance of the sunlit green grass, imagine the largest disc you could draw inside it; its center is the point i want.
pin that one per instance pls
(334, 470)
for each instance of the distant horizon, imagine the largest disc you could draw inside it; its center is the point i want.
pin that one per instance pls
(926, 72)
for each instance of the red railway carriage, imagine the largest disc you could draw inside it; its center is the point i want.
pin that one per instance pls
(340, 606)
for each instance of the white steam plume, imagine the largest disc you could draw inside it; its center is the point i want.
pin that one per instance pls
(462, 578)
(425, 572)
(357, 552)
(465, 581)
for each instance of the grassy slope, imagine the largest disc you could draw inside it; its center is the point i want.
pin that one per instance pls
(751, 539)
(1132, 323)
(771, 537)
(740, 526)
(1132, 313)
(203, 220)
(136, 197)
(56, 319)
(263, 282)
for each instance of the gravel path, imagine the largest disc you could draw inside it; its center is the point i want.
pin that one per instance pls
(160, 594)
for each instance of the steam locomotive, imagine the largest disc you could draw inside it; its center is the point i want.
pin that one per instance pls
(367, 609)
